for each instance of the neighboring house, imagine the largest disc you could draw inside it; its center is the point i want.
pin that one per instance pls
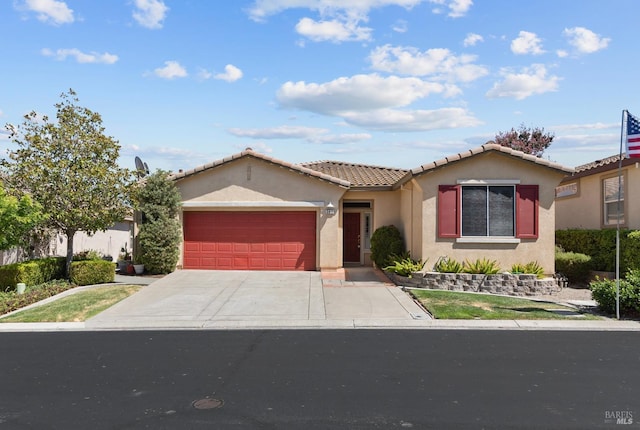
(107, 243)
(251, 211)
(588, 199)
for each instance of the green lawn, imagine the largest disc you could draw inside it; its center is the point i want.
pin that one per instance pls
(76, 307)
(457, 305)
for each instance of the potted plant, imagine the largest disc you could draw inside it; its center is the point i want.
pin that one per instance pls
(124, 260)
(138, 267)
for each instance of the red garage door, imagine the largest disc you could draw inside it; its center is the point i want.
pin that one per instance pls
(250, 240)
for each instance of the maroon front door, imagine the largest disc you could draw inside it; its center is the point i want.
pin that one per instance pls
(351, 238)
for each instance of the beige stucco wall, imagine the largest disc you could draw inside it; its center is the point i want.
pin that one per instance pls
(488, 166)
(586, 208)
(254, 184)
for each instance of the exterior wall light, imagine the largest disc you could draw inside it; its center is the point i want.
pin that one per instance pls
(330, 210)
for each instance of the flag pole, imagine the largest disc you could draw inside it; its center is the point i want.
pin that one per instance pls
(622, 129)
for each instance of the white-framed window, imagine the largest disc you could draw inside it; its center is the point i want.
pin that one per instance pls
(488, 210)
(613, 199)
(367, 230)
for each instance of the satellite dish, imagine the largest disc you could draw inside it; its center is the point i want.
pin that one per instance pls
(141, 167)
(146, 168)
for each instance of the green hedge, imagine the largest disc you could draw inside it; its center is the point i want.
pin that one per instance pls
(574, 266)
(601, 246)
(91, 272)
(31, 272)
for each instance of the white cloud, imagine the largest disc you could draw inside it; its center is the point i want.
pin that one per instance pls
(340, 20)
(527, 43)
(231, 73)
(373, 102)
(585, 41)
(472, 39)
(412, 120)
(335, 30)
(171, 70)
(438, 63)
(81, 57)
(262, 9)
(359, 93)
(530, 81)
(150, 13)
(400, 26)
(49, 11)
(309, 134)
(282, 132)
(561, 53)
(457, 8)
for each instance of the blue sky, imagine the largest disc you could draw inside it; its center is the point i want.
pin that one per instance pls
(386, 82)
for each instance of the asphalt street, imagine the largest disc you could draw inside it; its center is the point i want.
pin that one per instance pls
(319, 379)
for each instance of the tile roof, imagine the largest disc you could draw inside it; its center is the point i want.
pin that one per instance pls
(599, 166)
(360, 175)
(490, 147)
(251, 153)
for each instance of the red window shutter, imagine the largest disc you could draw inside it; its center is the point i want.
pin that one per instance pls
(527, 211)
(449, 211)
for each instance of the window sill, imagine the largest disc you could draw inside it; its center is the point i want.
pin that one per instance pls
(488, 239)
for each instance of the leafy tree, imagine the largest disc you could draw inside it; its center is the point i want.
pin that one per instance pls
(532, 141)
(17, 217)
(160, 234)
(70, 168)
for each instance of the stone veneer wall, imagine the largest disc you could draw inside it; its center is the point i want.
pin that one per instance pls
(503, 283)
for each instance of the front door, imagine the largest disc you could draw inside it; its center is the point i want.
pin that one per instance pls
(351, 237)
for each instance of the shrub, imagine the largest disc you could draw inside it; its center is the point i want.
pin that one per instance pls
(32, 272)
(160, 231)
(386, 242)
(448, 265)
(600, 245)
(603, 292)
(87, 255)
(405, 266)
(481, 266)
(574, 266)
(531, 268)
(90, 272)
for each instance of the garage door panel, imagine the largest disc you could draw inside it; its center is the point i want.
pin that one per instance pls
(250, 240)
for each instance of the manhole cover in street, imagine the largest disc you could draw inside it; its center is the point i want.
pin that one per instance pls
(208, 404)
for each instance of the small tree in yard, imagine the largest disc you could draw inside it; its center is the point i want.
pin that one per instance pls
(70, 168)
(159, 238)
(532, 141)
(17, 217)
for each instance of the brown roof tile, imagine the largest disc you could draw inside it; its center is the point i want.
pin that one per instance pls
(250, 153)
(599, 166)
(488, 147)
(359, 175)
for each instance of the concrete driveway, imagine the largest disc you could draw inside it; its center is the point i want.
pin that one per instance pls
(234, 299)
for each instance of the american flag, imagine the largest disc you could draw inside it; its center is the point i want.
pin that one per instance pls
(633, 136)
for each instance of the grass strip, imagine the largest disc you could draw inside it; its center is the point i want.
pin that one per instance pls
(76, 307)
(458, 305)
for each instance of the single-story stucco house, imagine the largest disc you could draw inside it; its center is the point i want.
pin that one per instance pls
(588, 199)
(253, 212)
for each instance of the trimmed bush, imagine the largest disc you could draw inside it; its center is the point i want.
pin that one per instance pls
(574, 266)
(31, 272)
(386, 242)
(91, 272)
(603, 292)
(601, 246)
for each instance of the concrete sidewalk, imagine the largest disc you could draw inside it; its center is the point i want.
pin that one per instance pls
(356, 298)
